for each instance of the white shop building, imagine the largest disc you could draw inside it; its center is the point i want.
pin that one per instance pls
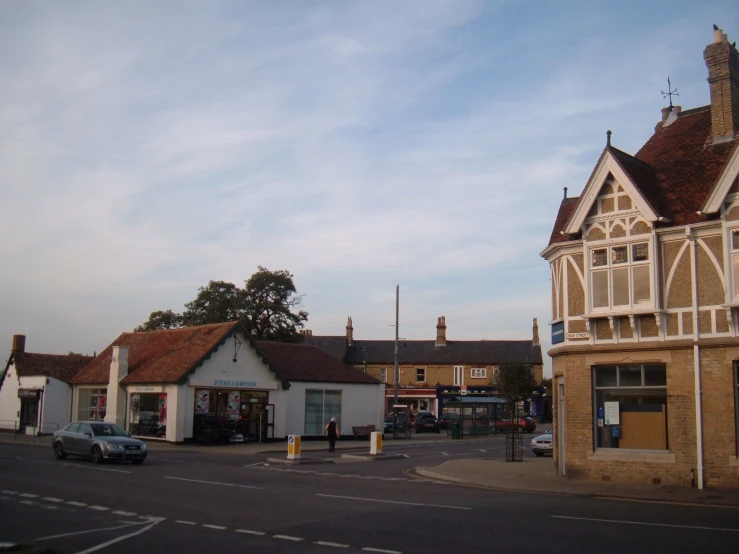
(213, 383)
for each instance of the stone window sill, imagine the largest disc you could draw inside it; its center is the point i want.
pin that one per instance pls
(625, 455)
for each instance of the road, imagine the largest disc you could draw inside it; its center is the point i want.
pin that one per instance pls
(200, 502)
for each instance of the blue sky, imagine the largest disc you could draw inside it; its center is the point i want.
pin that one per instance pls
(148, 147)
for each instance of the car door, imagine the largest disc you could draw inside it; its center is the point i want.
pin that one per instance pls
(84, 439)
(69, 438)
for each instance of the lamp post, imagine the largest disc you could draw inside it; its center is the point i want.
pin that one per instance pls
(396, 373)
(364, 350)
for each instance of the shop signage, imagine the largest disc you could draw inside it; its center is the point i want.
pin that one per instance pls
(159, 388)
(577, 336)
(219, 383)
(558, 332)
(26, 393)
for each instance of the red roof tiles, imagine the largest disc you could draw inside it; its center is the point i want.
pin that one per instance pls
(60, 367)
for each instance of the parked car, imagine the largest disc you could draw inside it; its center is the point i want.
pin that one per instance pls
(522, 424)
(543, 444)
(448, 420)
(98, 441)
(390, 423)
(426, 421)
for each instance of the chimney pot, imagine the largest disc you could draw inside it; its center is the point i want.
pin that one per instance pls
(665, 113)
(19, 343)
(349, 331)
(678, 109)
(441, 331)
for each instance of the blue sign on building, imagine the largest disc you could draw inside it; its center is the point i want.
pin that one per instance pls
(558, 332)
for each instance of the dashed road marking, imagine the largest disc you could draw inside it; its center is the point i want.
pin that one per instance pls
(185, 522)
(211, 526)
(368, 549)
(250, 532)
(29, 502)
(75, 503)
(9, 492)
(52, 499)
(393, 502)
(213, 483)
(287, 538)
(334, 544)
(27, 495)
(99, 508)
(122, 513)
(645, 523)
(445, 454)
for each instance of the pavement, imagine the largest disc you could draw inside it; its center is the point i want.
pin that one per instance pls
(532, 475)
(539, 475)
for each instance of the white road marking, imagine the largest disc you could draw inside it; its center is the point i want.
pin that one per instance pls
(72, 534)
(122, 513)
(29, 502)
(212, 483)
(445, 453)
(649, 524)
(121, 538)
(80, 466)
(249, 532)
(210, 526)
(394, 502)
(254, 464)
(368, 549)
(185, 522)
(335, 544)
(52, 499)
(99, 508)
(287, 538)
(75, 503)
(9, 492)
(45, 507)
(482, 450)
(27, 495)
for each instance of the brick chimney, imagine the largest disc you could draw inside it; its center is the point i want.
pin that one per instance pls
(722, 60)
(116, 401)
(19, 343)
(536, 332)
(349, 332)
(441, 331)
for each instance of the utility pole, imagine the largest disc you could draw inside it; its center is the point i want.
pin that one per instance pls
(396, 373)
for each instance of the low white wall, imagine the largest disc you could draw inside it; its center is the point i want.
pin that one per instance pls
(360, 405)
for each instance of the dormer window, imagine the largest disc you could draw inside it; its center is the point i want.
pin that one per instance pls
(620, 276)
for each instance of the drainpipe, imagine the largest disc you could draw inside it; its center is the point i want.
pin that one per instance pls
(696, 360)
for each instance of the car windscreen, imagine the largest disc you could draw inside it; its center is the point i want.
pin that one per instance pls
(107, 430)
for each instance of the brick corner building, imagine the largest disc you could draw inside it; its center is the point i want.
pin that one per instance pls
(645, 300)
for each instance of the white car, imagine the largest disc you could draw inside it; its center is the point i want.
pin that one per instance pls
(543, 444)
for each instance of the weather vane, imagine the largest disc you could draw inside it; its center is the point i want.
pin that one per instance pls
(669, 92)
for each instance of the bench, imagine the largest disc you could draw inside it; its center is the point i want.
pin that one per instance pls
(363, 430)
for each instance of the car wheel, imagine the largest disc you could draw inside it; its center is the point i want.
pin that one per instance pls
(137, 462)
(96, 455)
(59, 452)
(539, 453)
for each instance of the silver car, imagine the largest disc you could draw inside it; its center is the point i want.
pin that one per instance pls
(98, 441)
(542, 444)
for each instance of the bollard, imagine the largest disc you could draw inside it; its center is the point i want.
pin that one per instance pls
(293, 447)
(375, 443)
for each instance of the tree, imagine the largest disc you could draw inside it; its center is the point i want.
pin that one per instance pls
(268, 307)
(515, 382)
(270, 301)
(161, 320)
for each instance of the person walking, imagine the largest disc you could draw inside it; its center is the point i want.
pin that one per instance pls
(332, 431)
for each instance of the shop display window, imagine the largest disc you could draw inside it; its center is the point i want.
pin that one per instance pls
(223, 416)
(147, 416)
(320, 407)
(91, 404)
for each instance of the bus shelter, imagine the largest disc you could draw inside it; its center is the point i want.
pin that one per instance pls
(475, 416)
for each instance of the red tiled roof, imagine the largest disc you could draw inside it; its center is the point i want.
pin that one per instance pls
(676, 170)
(60, 367)
(686, 163)
(165, 356)
(566, 208)
(302, 362)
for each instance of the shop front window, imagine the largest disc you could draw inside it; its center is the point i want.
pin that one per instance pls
(230, 416)
(630, 406)
(147, 416)
(320, 407)
(91, 404)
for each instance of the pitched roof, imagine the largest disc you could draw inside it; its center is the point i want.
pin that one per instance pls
(426, 352)
(675, 171)
(302, 362)
(63, 368)
(165, 356)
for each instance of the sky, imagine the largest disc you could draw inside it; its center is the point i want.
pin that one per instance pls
(147, 147)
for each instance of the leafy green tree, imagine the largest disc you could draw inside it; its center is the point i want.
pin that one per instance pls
(515, 382)
(268, 307)
(161, 319)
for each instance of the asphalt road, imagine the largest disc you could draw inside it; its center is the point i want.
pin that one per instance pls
(197, 502)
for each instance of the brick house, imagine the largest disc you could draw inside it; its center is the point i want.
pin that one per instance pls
(431, 371)
(645, 294)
